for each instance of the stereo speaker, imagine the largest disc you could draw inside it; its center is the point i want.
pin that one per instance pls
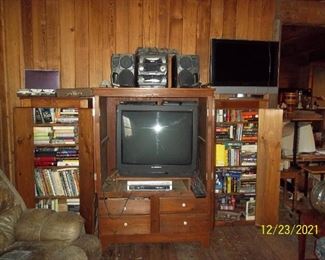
(186, 71)
(123, 70)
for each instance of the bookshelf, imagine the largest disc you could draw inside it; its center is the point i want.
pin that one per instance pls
(50, 152)
(240, 177)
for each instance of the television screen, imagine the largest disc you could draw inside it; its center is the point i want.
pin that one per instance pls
(244, 63)
(156, 140)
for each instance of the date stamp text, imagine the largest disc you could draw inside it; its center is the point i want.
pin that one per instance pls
(284, 229)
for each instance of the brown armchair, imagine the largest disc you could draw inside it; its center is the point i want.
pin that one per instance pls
(41, 233)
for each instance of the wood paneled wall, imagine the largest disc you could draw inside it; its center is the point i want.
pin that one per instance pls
(78, 37)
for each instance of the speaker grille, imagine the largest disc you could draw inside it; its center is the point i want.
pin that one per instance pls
(126, 78)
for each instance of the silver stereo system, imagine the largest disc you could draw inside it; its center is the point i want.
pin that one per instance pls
(152, 67)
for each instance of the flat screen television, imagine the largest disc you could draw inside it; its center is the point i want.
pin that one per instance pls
(250, 65)
(157, 140)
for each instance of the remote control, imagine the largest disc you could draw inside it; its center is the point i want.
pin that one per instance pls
(198, 188)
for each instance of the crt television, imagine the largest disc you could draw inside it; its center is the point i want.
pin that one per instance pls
(157, 140)
(244, 63)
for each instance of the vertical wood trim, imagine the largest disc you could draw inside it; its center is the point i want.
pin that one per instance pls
(52, 34)
(135, 32)
(95, 44)
(67, 43)
(149, 23)
(23, 132)
(86, 168)
(268, 166)
(242, 18)
(82, 43)
(203, 32)
(3, 99)
(176, 25)
(190, 19)
(109, 36)
(39, 34)
(216, 20)
(27, 33)
(163, 23)
(13, 56)
(122, 28)
(229, 19)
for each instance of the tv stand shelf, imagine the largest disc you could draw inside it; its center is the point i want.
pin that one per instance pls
(152, 216)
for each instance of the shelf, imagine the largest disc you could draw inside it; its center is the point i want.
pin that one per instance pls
(217, 194)
(233, 222)
(55, 197)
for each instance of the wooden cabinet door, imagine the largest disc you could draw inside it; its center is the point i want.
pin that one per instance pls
(87, 175)
(24, 157)
(268, 166)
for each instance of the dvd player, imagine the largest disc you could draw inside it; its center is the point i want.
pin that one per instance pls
(149, 185)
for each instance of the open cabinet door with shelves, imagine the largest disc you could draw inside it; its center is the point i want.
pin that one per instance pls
(242, 183)
(54, 155)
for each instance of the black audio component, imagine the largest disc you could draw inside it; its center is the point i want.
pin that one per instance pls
(123, 70)
(186, 71)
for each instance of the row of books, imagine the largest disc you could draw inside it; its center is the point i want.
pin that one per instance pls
(238, 132)
(235, 203)
(235, 115)
(67, 135)
(55, 115)
(236, 154)
(70, 204)
(60, 182)
(56, 156)
(234, 181)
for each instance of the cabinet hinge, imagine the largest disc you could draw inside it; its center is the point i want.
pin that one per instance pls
(95, 176)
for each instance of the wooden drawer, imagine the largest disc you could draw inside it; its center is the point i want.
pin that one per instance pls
(179, 223)
(123, 206)
(186, 204)
(128, 225)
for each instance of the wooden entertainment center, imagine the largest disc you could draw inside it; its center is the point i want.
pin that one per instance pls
(123, 216)
(151, 216)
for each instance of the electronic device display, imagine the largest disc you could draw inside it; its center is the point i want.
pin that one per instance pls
(244, 63)
(157, 140)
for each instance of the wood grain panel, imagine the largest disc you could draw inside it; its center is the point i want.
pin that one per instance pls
(95, 45)
(122, 28)
(135, 32)
(67, 43)
(216, 21)
(87, 182)
(229, 23)
(3, 98)
(190, 11)
(242, 17)
(149, 23)
(268, 28)
(203, 32)
(27, 33)
(52, 34)
(39, 33)
(14, 68)
(268, 177)
(163, 23)
(24, 144)
(176, 25)
(82, 43)
(108, 36)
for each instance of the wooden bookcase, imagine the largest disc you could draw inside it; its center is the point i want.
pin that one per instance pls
(27, 144)
(236, 171)
(151, 216)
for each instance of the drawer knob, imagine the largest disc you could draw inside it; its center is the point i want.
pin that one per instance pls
(185, 223)
(125, 224)
(183, 205)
